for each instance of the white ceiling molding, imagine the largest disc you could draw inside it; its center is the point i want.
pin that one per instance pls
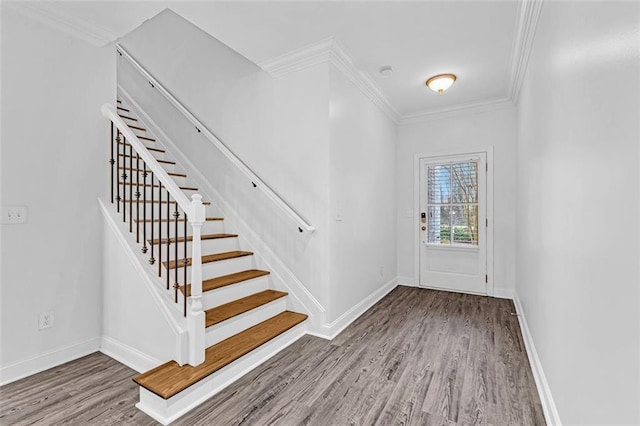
(52, 14)
(453, 110)
(527, 21)
(331, 51)
(344, 62)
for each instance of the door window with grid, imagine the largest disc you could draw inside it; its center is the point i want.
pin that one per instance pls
(452, 203)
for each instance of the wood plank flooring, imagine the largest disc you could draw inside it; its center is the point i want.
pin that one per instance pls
(418, 357)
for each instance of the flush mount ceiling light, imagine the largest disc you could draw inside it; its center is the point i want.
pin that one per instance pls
(441, 82)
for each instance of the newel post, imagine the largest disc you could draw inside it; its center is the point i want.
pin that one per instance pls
(196, 317)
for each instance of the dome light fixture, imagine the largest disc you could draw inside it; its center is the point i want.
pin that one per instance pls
(441, 82)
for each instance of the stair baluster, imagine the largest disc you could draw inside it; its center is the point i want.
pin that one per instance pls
(144, 206)
(168, 239)
(124, 180)
(112, 162)
(176, 285)
(160, 229)
(137, 198)
(152, 260)
(130, 188)
(118, 139)
(184, 268)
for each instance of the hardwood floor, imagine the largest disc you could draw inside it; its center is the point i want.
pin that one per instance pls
(418, 357)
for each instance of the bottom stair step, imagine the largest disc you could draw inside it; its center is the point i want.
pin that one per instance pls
(170, 378)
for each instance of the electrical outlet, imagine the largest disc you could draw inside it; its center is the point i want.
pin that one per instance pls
(339, 214)
(45, 320)
(13, 215)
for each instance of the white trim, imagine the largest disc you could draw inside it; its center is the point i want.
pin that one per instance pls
(527, 21)
(127, 355)
(46, 360)
(54, 15)
(455, 110)
(343, 321)
(546, 399)
(272, 195)
(332, 51)
(504, 293)
(489, 203)
(407, 281)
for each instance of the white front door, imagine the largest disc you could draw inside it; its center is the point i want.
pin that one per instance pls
(453, 215)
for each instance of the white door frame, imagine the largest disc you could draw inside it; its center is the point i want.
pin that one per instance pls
(416, 208)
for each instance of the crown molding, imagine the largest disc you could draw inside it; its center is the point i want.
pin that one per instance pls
(527, 21)
(453, 110)
(330, 50)
(54, 15)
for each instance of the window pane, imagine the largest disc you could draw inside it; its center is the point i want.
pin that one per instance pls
(439, 184)
(465, 182)
(438, 227)
(465, 224)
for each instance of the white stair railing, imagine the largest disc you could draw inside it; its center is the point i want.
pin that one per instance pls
(194, 215)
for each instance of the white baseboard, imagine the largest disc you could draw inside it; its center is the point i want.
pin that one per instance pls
(407, 281)
(125, 354)
(329, 331)
(504, 293)
(548, 405)
(36, 364)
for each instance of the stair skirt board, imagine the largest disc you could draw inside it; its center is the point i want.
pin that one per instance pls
(234, 325)
(166, 411)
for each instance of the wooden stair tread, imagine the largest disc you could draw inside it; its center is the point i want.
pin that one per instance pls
(225, 280)
(127, 117)
(123, 109)
(170, 378)
(232, 309)
(142, 129)
(206, 203)
(155, 185)
(148, 147)
(146, 138)
(190, 238)
(158, 160)
(209, 219)
(208, 258)
(125, 168)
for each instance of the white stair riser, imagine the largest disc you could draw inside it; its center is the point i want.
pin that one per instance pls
(217, 333)
(209, 227)
(146, 191)
(225, 267)
(166, 411)
(217, 245)
(222, 295)
(216, 269)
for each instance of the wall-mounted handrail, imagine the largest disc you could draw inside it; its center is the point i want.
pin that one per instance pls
(255, 180)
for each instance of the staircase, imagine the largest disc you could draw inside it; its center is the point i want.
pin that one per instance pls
(245, 319)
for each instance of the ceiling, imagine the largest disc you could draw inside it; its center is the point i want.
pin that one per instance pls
(472, 39)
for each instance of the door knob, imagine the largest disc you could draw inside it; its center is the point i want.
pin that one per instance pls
(424, 228)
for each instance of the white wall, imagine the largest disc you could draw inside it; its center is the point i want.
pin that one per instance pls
(54, 160)
(577, 245)
(466, 131)
(139, 327)
(362, 182)
(291, 155)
